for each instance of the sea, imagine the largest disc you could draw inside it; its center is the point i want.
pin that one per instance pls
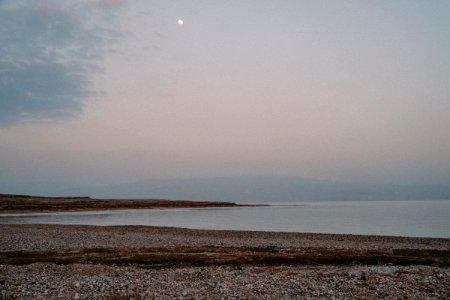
(424, 218)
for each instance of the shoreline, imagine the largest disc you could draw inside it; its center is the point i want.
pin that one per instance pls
(10, 204)
(164, 246)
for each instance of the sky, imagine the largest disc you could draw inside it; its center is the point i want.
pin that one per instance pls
(114, 91)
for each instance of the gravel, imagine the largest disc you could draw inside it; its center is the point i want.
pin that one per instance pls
(77, 281)
(60, 237)
(95, 281)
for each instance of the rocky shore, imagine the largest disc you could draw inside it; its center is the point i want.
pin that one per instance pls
(138, 262)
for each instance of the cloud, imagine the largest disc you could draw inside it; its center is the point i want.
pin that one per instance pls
(48, 55)
(106, 4)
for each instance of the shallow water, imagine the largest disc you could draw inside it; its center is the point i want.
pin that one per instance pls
(430, 218)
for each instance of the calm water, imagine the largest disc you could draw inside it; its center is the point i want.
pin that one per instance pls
(403, 218)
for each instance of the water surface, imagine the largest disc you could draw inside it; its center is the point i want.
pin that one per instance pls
(429, 218)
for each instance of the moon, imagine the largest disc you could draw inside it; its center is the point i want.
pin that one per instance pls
(180, 22)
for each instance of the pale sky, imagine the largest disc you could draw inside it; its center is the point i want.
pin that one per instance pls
(112, 91)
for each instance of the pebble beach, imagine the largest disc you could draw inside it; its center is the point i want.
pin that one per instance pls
(139, 262)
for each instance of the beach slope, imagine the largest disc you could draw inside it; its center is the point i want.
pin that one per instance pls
(139, 262)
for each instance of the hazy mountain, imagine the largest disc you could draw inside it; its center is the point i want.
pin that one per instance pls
(255, 189)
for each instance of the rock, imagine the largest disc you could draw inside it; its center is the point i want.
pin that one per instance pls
(363, 276)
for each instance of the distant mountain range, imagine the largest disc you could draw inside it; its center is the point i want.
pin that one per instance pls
(262, 189)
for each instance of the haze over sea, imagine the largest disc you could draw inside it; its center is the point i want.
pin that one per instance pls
(97, 92)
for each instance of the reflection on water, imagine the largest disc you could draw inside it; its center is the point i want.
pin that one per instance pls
(405, 218)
